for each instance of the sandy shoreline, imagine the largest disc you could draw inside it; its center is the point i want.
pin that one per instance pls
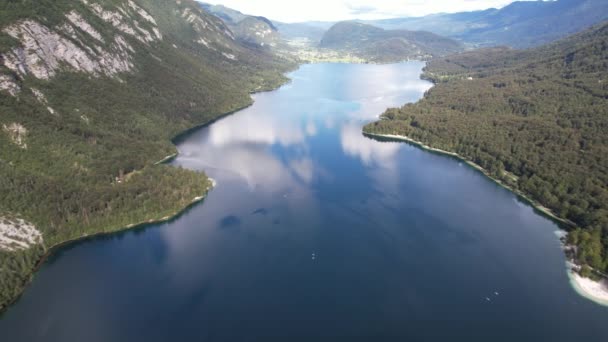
(596, 291)
(167, 159)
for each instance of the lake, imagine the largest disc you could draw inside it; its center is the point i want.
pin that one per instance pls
(317, 233)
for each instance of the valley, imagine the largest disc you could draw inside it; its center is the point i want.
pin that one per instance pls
(118, 118)
(307, 211)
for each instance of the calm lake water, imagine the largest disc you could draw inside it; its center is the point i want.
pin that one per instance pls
(316, 233)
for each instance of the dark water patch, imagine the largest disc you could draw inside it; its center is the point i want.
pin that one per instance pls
(261, 211)
(230, 221)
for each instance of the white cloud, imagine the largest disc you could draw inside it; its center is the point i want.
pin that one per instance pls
(335, 10)
(369, 151)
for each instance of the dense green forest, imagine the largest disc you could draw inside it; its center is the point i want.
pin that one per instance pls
(534, 119)
(87, 161)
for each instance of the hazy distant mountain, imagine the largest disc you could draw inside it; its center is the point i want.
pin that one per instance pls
(261, 31)
(299, 31)
(252, 30)
(381, 45)
(520, 24)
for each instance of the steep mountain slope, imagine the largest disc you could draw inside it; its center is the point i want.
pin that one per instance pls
(381, 45)
(91, 94)
(228, 15)
(257, 31)
(251, 30)
(520, 24)
(534, 119)
(270, 32)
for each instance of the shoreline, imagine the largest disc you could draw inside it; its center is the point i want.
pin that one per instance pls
(185, 133)
(537, 206)
(175, 140)
(595, 291)
(123, 229)
(143, 224)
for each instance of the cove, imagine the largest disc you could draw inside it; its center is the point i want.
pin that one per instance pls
(317, 233)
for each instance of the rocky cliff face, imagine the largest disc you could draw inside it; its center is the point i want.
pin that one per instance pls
(44, 51)
(8, 84)
(258, 32)
(17, 234)
(76, 45)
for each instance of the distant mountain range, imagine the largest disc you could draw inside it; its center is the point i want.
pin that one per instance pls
(379, 45)
(363, 41)
(246, 27)
(521, 24)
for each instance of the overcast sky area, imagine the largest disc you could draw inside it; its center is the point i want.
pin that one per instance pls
(336, 10)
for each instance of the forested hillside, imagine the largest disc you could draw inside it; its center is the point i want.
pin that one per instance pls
(535, 119)
(91, 94)
(378, 45)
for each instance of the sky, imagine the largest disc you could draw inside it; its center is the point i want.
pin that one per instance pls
(336, 10)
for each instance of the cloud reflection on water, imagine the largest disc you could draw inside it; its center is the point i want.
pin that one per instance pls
(275, 149)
